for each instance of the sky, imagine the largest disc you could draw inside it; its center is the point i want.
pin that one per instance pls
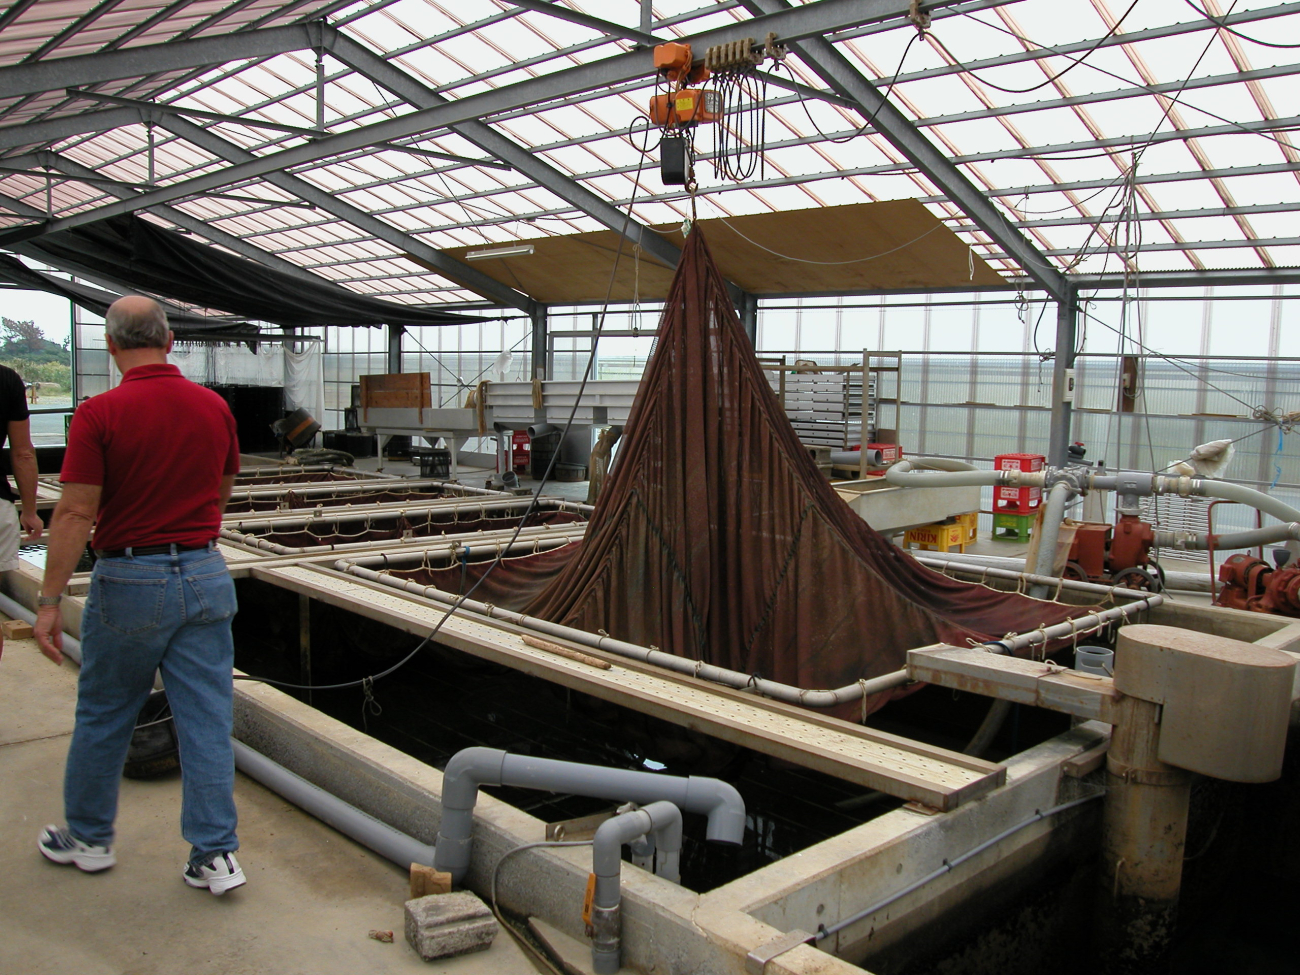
(52, 313)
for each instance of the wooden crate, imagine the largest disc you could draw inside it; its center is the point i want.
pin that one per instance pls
(397, 390)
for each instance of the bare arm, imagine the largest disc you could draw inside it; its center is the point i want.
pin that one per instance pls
(69, 530)
(22, 455)
(227, 488)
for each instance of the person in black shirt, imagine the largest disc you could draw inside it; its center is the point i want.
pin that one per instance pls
(15, 427)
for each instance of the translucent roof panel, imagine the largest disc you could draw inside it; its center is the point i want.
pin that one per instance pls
(1111, 135)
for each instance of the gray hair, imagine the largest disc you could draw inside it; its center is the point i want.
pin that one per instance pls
(137, 323)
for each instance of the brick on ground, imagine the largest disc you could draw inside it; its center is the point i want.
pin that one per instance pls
(443, 925)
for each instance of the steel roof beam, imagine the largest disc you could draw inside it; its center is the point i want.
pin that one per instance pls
(472, 278)
(586, 20)
(64, 127)
(491, 141)
(193, 224)
(809, 20)
(1207, 278)
(1173, 245)
(841, 76)
(136, 62)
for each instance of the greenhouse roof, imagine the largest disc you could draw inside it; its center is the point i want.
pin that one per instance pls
(357, 141)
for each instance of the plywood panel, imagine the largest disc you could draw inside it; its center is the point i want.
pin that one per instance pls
(892, 245)
(409, 390)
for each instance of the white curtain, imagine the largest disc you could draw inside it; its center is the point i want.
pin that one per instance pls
(304, 380)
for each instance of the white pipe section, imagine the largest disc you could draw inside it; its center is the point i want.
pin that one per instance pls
(388, 842)
(1078, 625)
(472, 767)
(1047, 582)
(15, 609)
(1174, 579)
(1053, 515)
(658, 658)
(947, 474)
(665, 821)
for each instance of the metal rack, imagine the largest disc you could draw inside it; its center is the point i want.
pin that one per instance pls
(838, 406)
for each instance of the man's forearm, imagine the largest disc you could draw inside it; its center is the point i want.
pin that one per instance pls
(24, 465)
(69, 531)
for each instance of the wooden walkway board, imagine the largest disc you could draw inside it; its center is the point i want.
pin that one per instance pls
(896, 766)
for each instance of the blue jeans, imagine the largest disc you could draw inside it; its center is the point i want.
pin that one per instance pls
(168, 612)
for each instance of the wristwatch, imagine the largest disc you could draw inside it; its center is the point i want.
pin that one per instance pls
(48, 600)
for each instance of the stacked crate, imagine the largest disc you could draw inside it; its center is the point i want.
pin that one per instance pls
(1014, 508)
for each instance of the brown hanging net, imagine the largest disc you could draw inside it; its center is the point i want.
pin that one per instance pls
(718, 539)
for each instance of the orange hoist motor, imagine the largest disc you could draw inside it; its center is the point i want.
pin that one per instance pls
(681, 105)
(686, 106)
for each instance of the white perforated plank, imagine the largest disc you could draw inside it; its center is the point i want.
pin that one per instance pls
(896, 766)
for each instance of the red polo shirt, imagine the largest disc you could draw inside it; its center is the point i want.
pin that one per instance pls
(159, 445)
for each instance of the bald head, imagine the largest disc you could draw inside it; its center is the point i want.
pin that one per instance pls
(136, 322)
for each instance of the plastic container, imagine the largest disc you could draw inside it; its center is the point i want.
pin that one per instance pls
(1095, 660)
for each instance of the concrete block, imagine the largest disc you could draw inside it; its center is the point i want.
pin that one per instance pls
(443, 925)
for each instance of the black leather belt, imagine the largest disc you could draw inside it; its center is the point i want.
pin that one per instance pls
(121, 553)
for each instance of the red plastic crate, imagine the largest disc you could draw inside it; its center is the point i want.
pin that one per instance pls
(1019, 462)
(1017, 500)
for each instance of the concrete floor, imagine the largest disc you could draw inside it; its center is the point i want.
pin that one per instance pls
(311, 899)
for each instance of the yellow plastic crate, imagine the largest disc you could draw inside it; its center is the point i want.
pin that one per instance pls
(970, 520)
(938, 538)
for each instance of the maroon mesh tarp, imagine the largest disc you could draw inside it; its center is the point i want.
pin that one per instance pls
(512, 584)
(717, 538)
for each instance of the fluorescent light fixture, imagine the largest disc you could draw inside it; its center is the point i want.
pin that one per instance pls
(515, 250)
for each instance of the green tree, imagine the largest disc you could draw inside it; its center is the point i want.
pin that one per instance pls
(22, 335)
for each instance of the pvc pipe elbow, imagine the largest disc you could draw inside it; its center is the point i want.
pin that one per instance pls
(468, 769)
(606, 851)
(722, 804)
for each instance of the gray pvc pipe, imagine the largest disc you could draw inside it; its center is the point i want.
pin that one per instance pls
(658, 658)
(1053, 514)
(388, 842)
(1248, 539)
(542, 429)
(362, 827)
(662, 818)
(470, 768)
(10, 607)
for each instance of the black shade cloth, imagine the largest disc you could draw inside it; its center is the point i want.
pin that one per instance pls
(96, 300)
(163, 262)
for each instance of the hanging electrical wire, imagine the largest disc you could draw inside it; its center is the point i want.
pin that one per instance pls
(1222, 24)
(742, 96)
(1074, 62)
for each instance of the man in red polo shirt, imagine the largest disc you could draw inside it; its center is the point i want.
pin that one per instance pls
(151, 465)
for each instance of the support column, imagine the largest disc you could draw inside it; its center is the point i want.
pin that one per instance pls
(1067, 324)
(1144, 828)
(747, 308)
(541, 344)
(395, 333)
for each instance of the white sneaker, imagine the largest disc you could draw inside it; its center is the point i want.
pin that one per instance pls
(60, 846)
(220, 874)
